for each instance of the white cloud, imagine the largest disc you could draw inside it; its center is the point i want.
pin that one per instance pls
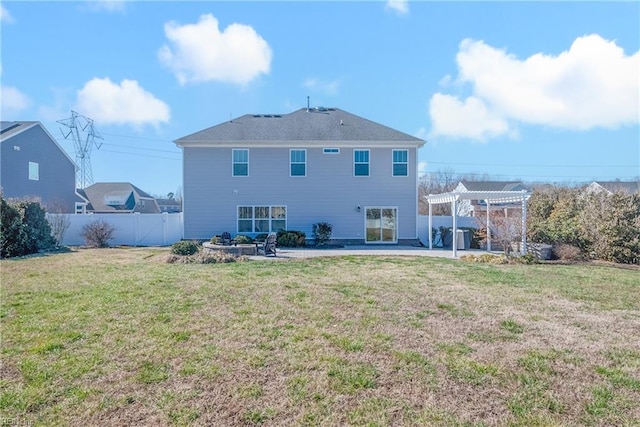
(329, 88)
(593, 84)
(12, 101)
(201, 52)
(5, 16)
(401, 7)
(125, 103)
(467, 119)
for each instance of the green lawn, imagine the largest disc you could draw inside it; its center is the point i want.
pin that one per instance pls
(119, 337)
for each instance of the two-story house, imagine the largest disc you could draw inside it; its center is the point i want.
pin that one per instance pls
(118, 197)
(34, 166)
(266, 172)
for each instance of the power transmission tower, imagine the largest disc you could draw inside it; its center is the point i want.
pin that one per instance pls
(84, 135)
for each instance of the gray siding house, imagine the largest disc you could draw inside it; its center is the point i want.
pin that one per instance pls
(33, 165)
(266, 172)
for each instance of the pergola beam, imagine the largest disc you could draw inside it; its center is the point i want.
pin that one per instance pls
(490, 197)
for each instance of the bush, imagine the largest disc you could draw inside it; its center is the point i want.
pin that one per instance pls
(24, 229)
(243, 240)
(97, 234)
(59, 223)
(185, 247)
(599, 225)
(291, 238)
(13, 234)
(203, 257)
(322, 232)
(566, 252)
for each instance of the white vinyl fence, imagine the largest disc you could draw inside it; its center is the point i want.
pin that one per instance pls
(441, 221)
(130, 229)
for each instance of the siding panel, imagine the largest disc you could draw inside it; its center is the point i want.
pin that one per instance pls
(328, 193)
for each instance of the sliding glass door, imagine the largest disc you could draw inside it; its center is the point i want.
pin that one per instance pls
(382, 225)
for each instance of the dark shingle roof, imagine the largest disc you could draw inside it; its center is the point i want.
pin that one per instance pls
(97, 192)
(318, 124)
(494, 185)
(8, 129)
(629, 187)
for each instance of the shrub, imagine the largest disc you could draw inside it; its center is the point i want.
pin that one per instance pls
(185, 247)
(567, 252)
(59, 223)
(13, 235)
(203, 257)
(291, 238)
(322, 232)
(97, 234)
(24, 229)
(242, 239)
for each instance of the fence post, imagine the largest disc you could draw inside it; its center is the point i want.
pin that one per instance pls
(165, 227)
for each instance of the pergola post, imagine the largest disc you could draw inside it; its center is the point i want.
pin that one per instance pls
(430, 228)
(488, 225)
(524, 226)
(454, 214)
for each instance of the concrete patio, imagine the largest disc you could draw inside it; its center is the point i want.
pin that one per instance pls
(386, 250)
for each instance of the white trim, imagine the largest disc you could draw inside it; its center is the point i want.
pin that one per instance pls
(26, 127)
(393, 163)
(489, 197)
(233, 162)
(361, 163)
(310, 143)
(34, 171)
(253, 218)
(381, 242)
(291, 163)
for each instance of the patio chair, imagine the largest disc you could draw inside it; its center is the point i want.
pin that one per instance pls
(268, 247)
(225, 239)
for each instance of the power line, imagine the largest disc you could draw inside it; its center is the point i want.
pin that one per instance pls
(533, 165)
(142, 155)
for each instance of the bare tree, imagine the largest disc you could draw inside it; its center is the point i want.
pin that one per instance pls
(504, 230)
(443, 182)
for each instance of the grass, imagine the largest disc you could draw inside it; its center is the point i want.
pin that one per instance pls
(118, 337)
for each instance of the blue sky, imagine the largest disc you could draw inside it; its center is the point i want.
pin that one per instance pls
(538, 91)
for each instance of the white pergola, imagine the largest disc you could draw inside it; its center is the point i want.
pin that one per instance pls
(489, 197)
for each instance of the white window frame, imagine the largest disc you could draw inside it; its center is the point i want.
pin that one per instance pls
(330, 150)
(397, 226)
(368, 162)
(394, 163)
(233, 161)
(291, 162)
(270, 218)
(34, 171)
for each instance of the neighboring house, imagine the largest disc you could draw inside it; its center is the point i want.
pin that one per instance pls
(479, 207)
(169, 205)
(610, 187)
(118, 197)
(34, 166)
(267, 172)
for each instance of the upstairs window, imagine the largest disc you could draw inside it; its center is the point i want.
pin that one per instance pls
(34, 171)
(298, 162)
(240, 162)
(400, 162)
(361, 162)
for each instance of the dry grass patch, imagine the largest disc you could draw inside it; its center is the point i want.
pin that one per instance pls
(120, 337)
